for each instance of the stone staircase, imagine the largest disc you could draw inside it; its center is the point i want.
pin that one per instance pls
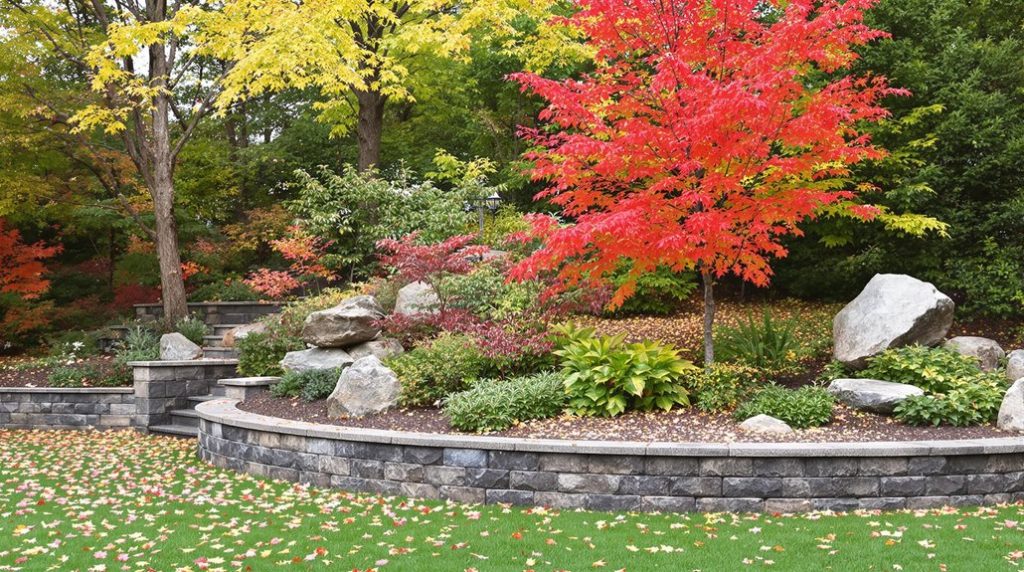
(185, 422)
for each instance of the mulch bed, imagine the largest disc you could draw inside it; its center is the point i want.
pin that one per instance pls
(682, 426)
(14, 373)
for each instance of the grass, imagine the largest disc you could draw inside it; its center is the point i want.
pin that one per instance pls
(95, 501)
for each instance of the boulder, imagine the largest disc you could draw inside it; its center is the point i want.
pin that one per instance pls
(174, 347)
(316, 358)
(232, 336)
(987, 351)
(383, 348)
(765, 424)
(1011, 412)
(872, 394)
(366, 387)
(893, 310)
(1015, 365)
(351, 322)
(417, 298)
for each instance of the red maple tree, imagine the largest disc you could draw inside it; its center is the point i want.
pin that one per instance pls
(706, 131)
(21, 282)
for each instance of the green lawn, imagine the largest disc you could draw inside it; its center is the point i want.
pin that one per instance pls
(121, 501)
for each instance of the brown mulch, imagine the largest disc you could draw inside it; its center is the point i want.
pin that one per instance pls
(24, 372)
(682, 426)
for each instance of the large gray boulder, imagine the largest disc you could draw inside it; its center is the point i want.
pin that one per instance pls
(985, 350)
(1011, 412)
(872, 394)
(351, 322)
(316, 358)
(382, 348)
(417, 298)
(175, 347)
(365, 388)
(893, 310)
(765, 424)
(1015, 365)
(232, 336)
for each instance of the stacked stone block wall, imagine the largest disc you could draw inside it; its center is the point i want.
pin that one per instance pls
(215, 313)
(162, 386)
(56, 408)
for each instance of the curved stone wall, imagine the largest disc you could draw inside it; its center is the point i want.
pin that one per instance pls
(616, 475)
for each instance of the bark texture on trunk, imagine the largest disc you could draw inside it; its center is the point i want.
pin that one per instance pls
(369, 128)
(172, 284)
(709, 317)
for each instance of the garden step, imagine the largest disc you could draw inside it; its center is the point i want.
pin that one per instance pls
(213, 341)
(185, 417)
(176, 430)
(202, 398)
(220, 352)
(221, 329)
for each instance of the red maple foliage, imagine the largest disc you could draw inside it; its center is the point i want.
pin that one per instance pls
(705, 133)
(22, 281)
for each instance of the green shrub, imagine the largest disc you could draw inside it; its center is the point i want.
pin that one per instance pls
(801, 408)
(493, 405)
(832, 371)
(227, 291)
(310, 385)
(260, 353)
(768, 345)
(935, 370)
(138, 344)
(192, 327)
(434, 371)
(658, 293)
(969, 403)
(74, 344)
(485, 292)
(723, 386)
(605, 376)
(71, 376)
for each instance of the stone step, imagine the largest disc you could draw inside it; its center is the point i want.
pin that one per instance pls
(221, 329)
(245, 387)
(175, 430)
(202, 398)
(220, 352)
(184, 417)
(213, 341)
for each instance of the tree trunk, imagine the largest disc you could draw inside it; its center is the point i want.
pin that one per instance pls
(369, 128)
(172, 284)
(709, 317)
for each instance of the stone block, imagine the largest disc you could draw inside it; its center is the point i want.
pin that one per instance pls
(588, 483)
(645, 485)
(926, 466)
(559, 500)
(672, 466)
(315, 479)
(422, 455)
(719, 504)
(830, 467)
(695, 486)
(988, 483)
(512, 460)
(367, 468)
(783, 505)
(751, 487)
(946, 485)
(533, 481)
(967, 464)
(318, 446)
(928, 502)
(468, 495)
(902, 486)
(465, 458)
(667, 504)
(564, 463)
(377, 451)
(781, 467)
(407, 472)
(420, 490)
(488, 478)
(447, 476)
(616, 464)
(509, 496)
(883, 466)
(883, 503)
(726, 467)
(612, 502)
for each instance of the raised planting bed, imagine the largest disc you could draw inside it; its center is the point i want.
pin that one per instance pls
(648, 474)
(66, 408)
(27, 372)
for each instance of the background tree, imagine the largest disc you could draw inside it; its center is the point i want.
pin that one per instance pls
(359, 55)
(22, 281)
(706, 132)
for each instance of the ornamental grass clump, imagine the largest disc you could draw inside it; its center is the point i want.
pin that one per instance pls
(494, 405)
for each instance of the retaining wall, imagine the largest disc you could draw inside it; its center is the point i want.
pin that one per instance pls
(616, 475)
(162, 386)
(56, 408)
(215, 313)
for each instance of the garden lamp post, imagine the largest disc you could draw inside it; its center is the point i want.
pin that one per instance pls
(490, 203)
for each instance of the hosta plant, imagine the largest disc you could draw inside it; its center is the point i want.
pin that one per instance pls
(605, 376)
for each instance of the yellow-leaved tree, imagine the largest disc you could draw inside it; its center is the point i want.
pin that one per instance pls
(362, 54)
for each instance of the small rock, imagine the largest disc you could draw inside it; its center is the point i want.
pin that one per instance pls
(417, 298)
(232, 336)
(1015, 365)
(316, 358)
(365, 388)
(765, 424)
(872, 394)
(383, 348)
(893, 310)
(175, 347)
(1011, 412)
(987, 351)
(351, 322)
